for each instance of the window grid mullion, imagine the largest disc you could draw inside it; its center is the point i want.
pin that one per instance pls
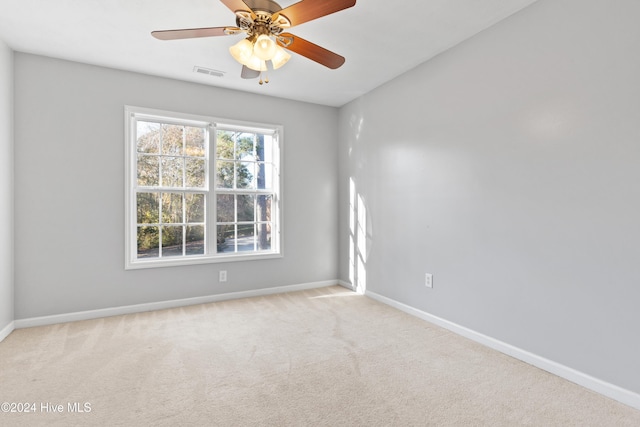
(235, 223)
(183, 194)
(192, 190)
(184, 221)
(161, 226)
(160, 156)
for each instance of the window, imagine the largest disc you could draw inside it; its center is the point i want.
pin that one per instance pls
(200, 189)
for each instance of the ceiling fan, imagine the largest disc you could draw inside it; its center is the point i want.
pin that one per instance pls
(264, 22)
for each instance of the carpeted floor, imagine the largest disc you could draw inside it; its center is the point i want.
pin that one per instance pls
(320, 357)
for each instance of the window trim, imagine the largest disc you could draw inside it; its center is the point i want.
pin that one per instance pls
(212, 123)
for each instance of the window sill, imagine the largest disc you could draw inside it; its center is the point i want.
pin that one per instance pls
(179, 262)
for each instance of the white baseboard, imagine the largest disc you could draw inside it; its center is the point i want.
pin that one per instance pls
(347, 285)
(607, 389)
(4, 332)
(161, 305)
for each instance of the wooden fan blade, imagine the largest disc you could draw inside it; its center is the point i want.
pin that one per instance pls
(310, 50)
(308, 10)
(248, 73)
(191, 33)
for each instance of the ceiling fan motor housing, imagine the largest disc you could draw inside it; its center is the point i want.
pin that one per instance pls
(264, 19)
(268, 6)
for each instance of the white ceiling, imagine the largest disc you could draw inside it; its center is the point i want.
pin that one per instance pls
(380, 39)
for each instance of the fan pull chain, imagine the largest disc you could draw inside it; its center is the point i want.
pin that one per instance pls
(266, 78)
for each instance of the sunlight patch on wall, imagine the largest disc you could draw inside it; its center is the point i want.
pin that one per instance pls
(357, 239)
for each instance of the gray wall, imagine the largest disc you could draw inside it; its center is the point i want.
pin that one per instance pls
(509, 167)
(6, 185)
(69, 202)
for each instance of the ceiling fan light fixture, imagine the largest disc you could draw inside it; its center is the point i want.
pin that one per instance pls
(264, 48)
(264, 21)
(280, 58)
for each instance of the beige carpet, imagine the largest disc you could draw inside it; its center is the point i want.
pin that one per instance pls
(320, 357)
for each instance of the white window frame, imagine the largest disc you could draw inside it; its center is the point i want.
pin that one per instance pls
(211, 255)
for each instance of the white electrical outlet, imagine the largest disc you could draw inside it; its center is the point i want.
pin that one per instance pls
(428, 280)
(222, 276)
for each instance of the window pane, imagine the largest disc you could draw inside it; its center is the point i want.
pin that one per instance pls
(225, 235)
(244, 146)
(172, 140)
(172, 168)
(224, 174)
(195, 207)
(195, 138)
(148, 242)
(264, 208)
(195, 172)
(171, 208)
(246, 172)
(195, 240)
(148, 137)
(264, 237)
(264, 148)
(147, 208)
(225, 207)
(264, 175)
(172, 240)
(224, 145)
(148, 170)
(246, 237)
(246, 207)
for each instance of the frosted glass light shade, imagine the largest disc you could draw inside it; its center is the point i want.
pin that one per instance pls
(264, 48)
(256, 63)
(242, 51)
(280, 58)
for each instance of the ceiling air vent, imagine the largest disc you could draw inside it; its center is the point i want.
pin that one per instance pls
(208, 72)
